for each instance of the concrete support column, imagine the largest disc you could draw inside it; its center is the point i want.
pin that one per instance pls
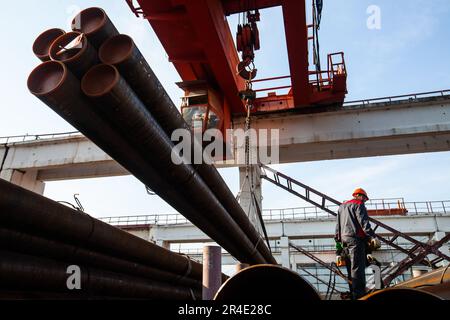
(27, 180)
(212, 271)
(445, 249)
(283, 244)
(254, 179)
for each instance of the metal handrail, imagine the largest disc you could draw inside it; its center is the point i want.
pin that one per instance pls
(300, 213)
(412, 96)
(36, 137)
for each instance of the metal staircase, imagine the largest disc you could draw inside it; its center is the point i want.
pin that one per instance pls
(418, 252)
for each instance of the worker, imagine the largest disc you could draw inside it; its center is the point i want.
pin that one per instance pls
(354, 233)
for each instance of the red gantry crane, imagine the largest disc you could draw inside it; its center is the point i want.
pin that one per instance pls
(217, 79)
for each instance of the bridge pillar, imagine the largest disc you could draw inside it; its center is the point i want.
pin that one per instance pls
(25, 179)
(285, 256)
(245, 199)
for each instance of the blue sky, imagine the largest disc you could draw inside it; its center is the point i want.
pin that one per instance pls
(410, 53)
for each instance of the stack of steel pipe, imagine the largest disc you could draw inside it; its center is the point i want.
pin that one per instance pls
(122, 107)
(40, 239)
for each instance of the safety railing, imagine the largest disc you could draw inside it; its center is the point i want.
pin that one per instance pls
(392, 99)
(37, 137)
(300, 213)
(144, 220)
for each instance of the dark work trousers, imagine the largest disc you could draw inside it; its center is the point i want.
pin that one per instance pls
(357, 257)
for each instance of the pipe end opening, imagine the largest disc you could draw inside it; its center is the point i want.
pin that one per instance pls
(99, 80)
(68, 47)
(116, 50)
(42, 44)
(46, 77)
(89, 20)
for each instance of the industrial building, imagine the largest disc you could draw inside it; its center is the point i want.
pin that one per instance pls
(215, 244)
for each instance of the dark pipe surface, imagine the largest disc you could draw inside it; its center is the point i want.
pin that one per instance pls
(120, 105)
(78, 59)
(267, 283)
(122, 52)
(23, 272)
(27, 211)
(12, 295)
(402, 294)
(53, 84)
(95, 24)
(12, 240)
(41, 46)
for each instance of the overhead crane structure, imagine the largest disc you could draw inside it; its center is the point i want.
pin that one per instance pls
(200, 44)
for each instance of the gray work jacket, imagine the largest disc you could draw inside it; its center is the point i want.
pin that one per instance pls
(353, 221)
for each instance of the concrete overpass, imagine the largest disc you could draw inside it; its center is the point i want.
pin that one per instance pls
(389, 126)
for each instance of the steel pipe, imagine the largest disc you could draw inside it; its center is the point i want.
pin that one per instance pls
(24, 210)
(75, 51)
(435, 277)
(95, 24)
(267, 283)
(122, 52)
(118, 103)
(41, 46)
(12, 240)
(434, 285)
(424, 294)
(22, 272)
(53, 84)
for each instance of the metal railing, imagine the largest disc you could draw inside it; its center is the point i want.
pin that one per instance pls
(410, 97)
(300, 213)
(37, 137)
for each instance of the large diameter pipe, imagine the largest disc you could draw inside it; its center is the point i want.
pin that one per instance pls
(75, 51)
(55, 85)
(267, 283)
(434, 285)
(12, 240)
(423, 294)
(435, 277)
(122, 52)
(23, 272)
(25, 210)
(119, 104)
(11, 295)
(42, 44)
(95, 24)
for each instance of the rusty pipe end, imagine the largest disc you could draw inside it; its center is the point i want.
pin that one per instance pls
(99, 80)
(65, 49)
(402, 294)
(89, 20)
(46, 78)
(266, 283)
(42, 44)
(116, 49)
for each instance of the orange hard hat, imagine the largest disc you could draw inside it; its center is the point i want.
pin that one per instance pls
(360, 191)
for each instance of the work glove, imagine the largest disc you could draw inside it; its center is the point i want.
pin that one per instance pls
(374, 244)
(339, 248)
(340, 262)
